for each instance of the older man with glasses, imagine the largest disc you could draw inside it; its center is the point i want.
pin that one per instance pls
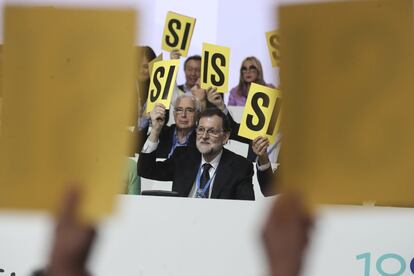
(207, 171)
(165, 139)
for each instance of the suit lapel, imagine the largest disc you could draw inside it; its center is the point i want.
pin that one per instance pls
(223, 174)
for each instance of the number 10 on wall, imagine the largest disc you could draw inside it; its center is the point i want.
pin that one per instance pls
(389, 264)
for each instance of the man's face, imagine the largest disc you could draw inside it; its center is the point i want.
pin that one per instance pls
(184, 113)
(210, 135)
(192, 72)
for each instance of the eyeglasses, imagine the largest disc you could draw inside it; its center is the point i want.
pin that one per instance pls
(251, 68)
(210, 132)
(180, 110)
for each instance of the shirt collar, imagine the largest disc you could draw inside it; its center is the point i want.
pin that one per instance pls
(214, 163)
(187, 137)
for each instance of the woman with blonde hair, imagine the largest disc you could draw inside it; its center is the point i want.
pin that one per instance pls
(250, 71)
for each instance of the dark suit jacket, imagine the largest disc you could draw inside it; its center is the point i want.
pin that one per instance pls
(166, 141)
(233, 178)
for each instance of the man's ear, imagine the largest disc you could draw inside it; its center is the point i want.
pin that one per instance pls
(226, 137)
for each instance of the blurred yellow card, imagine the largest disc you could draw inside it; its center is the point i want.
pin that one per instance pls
(215, 62)
(1, 82)
(151, 64)
(162, 83)
(347, 75)
(273, 45)
(262, 113)
(178, 31)
(69, 81)
(1, 70)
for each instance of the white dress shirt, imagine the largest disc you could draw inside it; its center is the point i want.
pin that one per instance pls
(212, 172)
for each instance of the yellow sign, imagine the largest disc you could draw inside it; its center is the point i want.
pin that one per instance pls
(262, 113)
(347, 121)
(215, 67)
(66, 103)
(151, 64)
(273, 45)
(178, 31)
(162, 83)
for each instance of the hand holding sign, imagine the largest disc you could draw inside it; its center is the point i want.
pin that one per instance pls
(162, 82)
(178, 31)
(259, 146)
(215, 67)
(262, 113)
(215, 98)
(158, 117)
(175, 54)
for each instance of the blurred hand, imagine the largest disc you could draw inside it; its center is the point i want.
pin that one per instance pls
(73, 240)
(175, 54)
(285, 235)
(158, 117)
(215, 98)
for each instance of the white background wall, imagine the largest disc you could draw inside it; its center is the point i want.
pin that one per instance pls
(238, 24)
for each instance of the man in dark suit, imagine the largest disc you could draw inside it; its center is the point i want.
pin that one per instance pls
(207, 171)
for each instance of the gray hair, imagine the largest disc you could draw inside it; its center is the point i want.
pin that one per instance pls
(195, 100)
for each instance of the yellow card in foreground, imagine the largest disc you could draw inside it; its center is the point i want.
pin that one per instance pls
(69, 81)
(178, 31)
(273, 45)
(215, 62)
(162, 83)
(262, 113)
(348, 94)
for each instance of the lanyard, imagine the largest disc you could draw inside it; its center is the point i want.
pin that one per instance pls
(200, 193)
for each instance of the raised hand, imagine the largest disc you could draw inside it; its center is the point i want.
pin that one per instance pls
(215, 98)
(286, 235)
(73, 240)
(259, 146)
(175, 54)
(158, 117)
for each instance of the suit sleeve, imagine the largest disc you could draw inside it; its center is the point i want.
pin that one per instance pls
(140, 138)
(265, 181)
(149, 168)
(244, 189)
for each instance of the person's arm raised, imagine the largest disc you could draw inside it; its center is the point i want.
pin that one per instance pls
(157, 121)
(73, 240)
(286, 235)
